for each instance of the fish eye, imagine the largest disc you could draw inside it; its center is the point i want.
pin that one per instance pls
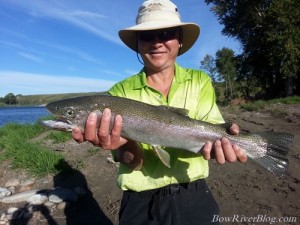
(70, 112)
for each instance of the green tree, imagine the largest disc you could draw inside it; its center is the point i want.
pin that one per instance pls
(269, 31)
(208, 64)
(226, 65)
(10, 99)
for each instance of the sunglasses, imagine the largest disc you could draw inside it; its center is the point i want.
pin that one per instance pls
(163, 35)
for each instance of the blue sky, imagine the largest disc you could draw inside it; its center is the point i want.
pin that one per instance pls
(55, 46)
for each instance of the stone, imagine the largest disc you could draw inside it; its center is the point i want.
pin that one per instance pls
(12, 182)
(19, 197)
(51, 205)
(38, 199)
(2, 216)
(12, 190)
(4, 192)
(62, 205)
(27, 182)
(59, 195)
(12, 210)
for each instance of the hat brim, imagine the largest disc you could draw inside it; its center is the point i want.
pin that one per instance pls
(190, 33)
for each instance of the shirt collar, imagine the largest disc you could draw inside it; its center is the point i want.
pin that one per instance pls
(180, 76)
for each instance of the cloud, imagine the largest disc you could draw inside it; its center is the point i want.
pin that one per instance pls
(87, 14)
(31, 57)
(96, 23)
(62, 49)
(31, 83)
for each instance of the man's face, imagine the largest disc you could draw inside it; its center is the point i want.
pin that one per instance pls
(159, 48)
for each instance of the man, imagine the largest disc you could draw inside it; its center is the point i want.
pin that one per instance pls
(153, 193)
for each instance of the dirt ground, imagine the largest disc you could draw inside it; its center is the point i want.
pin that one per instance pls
(244, 191)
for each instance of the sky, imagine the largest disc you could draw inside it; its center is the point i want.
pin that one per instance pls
(71, 46)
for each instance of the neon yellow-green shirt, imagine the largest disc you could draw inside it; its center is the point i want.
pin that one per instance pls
(190, 89)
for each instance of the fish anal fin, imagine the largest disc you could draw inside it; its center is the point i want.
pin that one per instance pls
(162, 155)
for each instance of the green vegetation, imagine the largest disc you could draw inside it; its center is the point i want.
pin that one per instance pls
(11, 99)
(260, 104)
(268, 65)
(254, 106)
(16, 145)
(58, 136)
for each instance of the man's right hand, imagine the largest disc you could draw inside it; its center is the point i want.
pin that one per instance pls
(101, 136)
(97, 131)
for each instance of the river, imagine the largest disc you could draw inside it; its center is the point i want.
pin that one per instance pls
(22, 115)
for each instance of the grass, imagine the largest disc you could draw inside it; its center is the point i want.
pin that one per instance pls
(58, 136)
(45, 99)
(260, 104)
(15, 145)
(254, 106)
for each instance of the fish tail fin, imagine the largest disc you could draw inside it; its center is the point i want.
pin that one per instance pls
(275, 160)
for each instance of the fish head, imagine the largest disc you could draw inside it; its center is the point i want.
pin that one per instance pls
(69, 113)
(63, 112)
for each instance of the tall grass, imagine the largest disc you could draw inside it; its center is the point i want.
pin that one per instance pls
(16, 145)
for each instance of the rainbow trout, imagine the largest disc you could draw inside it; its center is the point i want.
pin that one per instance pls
(169, 127)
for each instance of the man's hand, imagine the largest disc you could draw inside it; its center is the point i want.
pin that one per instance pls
(97, 131)
(101, 136)
(223, 150)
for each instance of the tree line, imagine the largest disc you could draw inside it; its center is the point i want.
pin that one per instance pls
(9, 99)
(269, 33)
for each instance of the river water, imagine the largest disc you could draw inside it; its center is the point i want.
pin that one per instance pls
(22, 115)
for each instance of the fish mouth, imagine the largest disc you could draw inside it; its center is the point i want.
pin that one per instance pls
(61, 125)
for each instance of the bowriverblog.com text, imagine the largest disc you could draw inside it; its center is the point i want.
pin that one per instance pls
(254, 219)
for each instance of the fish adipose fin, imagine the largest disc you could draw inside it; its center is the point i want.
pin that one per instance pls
(275, 160)
(162, 155)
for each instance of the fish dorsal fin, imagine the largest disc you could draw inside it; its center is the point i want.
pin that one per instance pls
(180, 111)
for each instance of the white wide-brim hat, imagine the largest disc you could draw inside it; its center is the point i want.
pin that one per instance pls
(160, 14)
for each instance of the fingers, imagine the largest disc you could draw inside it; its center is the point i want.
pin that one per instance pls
(115, 136)
(77, 135)
(206, 151)
(98, 131)
(234, 129)
(240, 154)
(219, 154)
(104, 131)
(224, 151)
(90, 133)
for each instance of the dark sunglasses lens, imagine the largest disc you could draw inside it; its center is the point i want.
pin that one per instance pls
(167, 35)
(148, 36)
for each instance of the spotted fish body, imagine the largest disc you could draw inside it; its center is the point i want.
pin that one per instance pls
(169, 127)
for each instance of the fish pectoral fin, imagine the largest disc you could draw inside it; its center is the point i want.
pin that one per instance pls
(162, 155)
